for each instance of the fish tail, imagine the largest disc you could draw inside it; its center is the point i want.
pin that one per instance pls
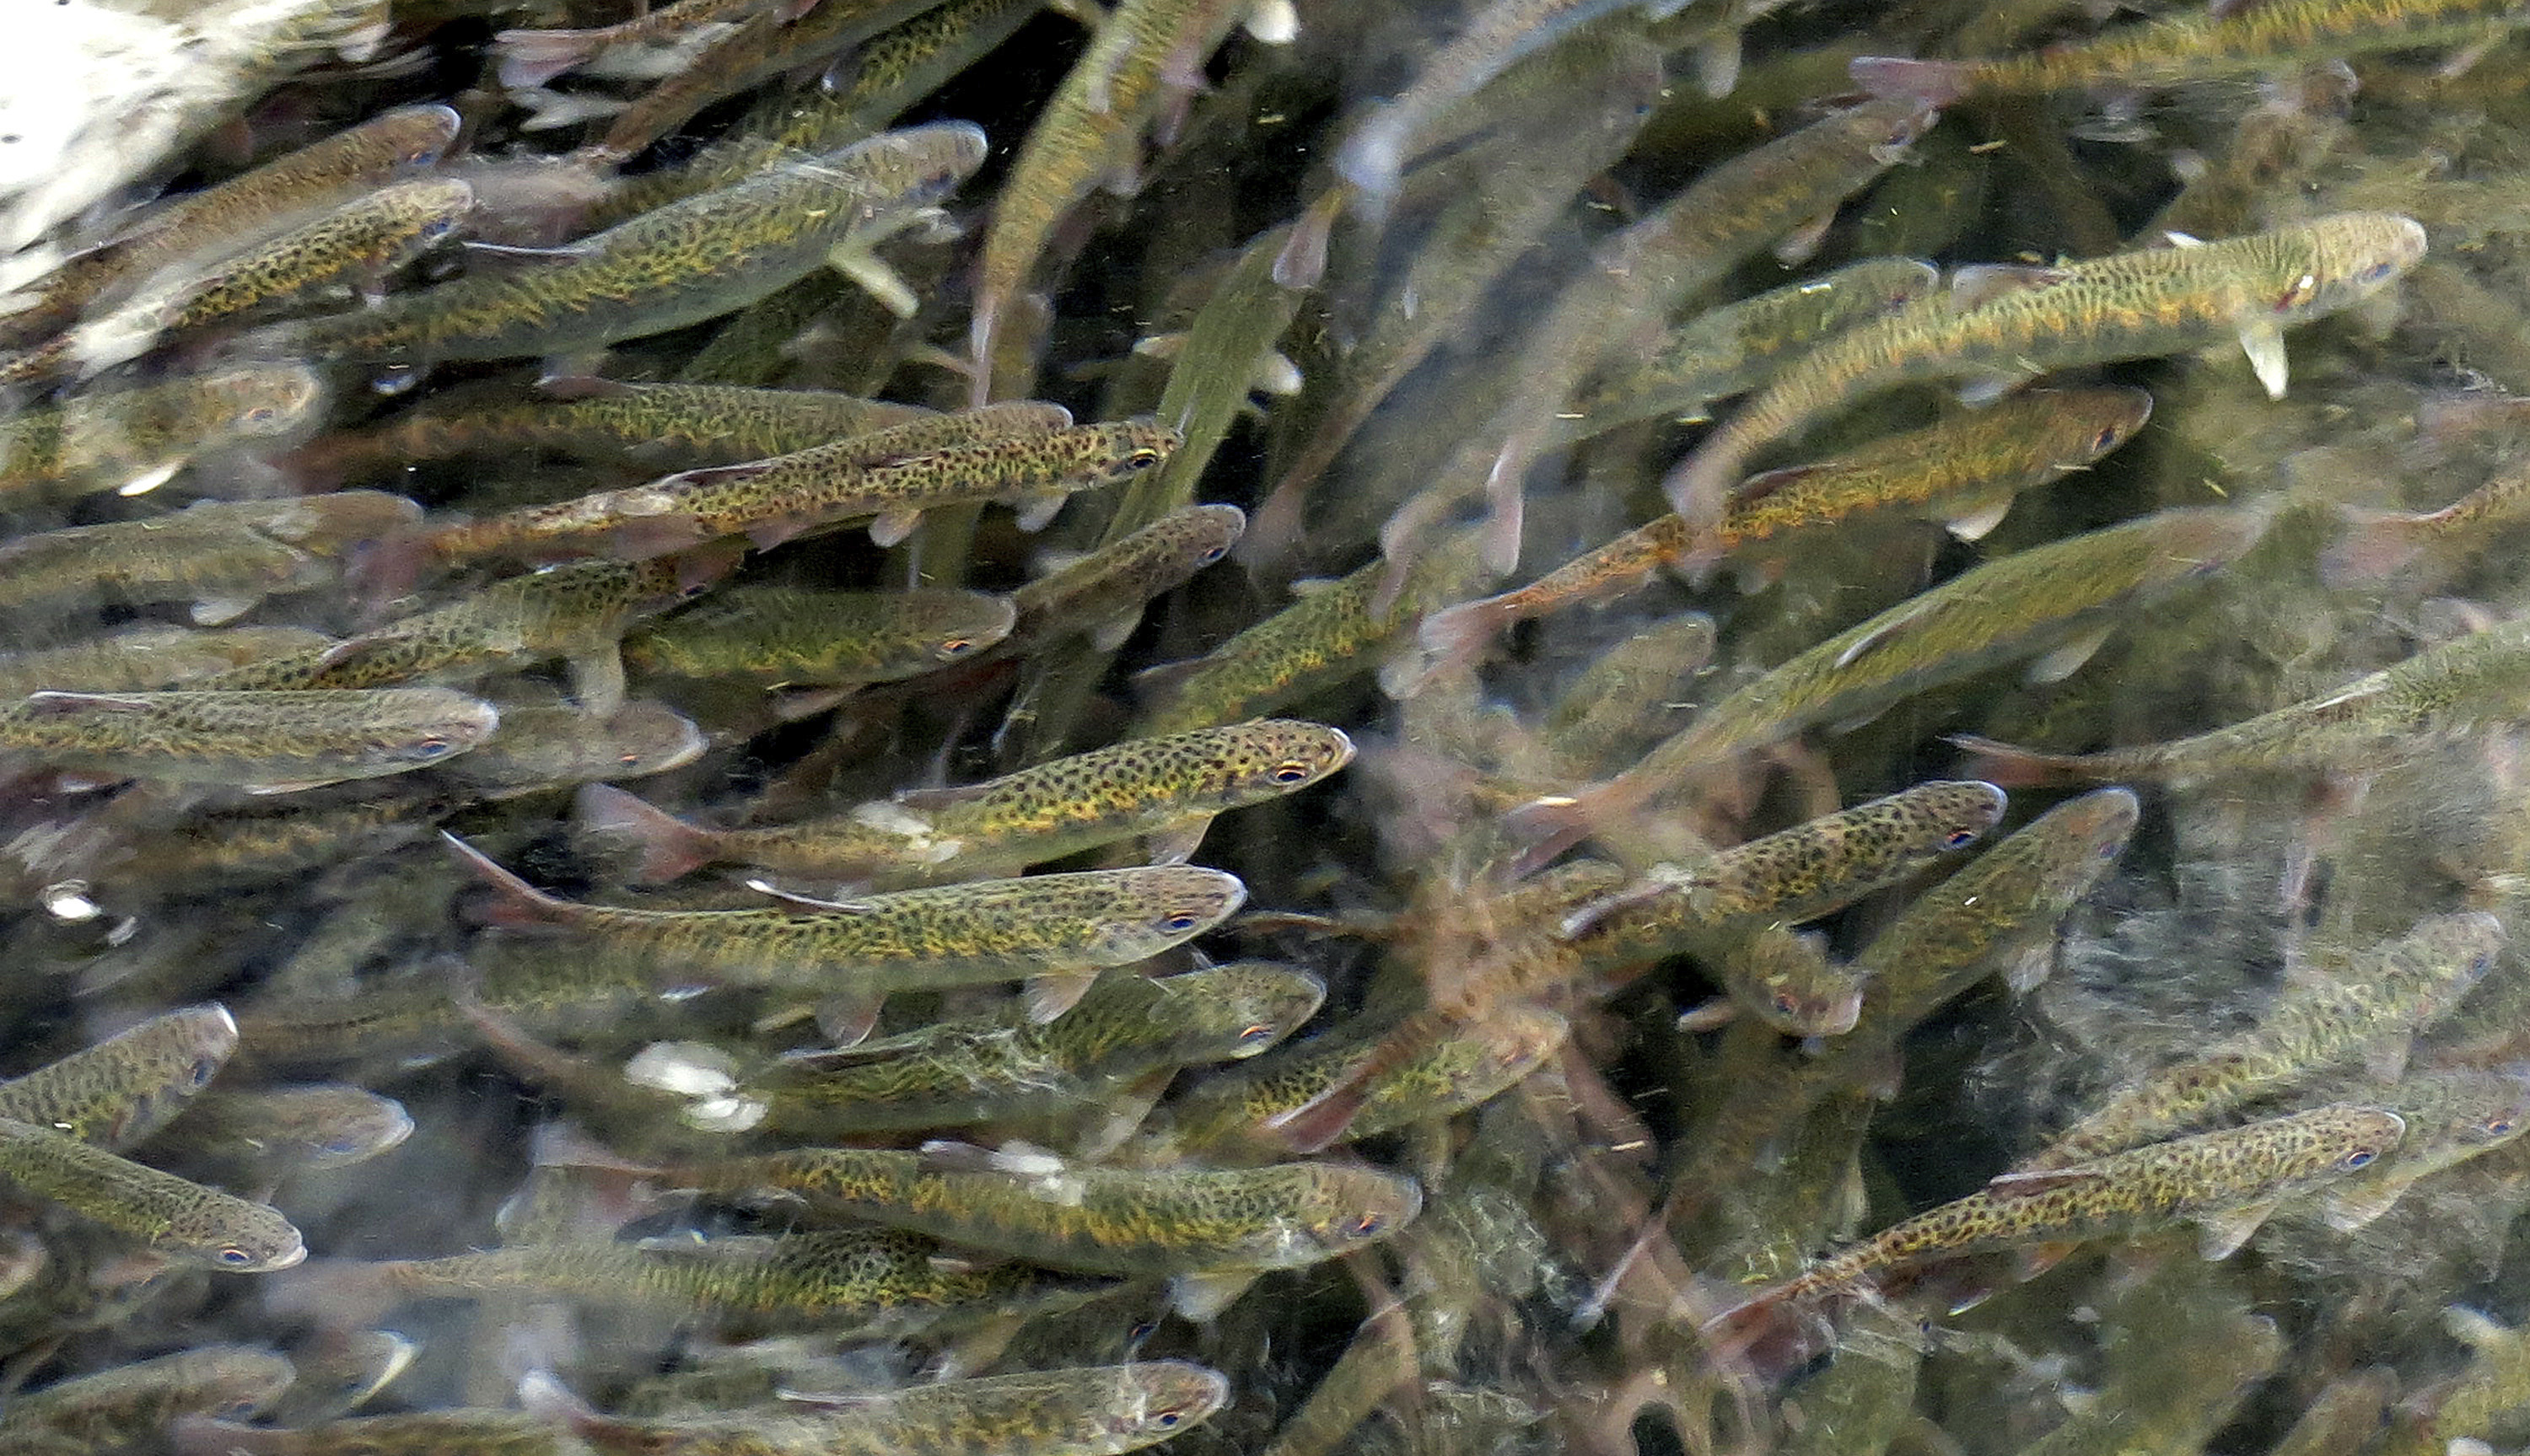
(1897, 79)
(388, 569)
(1456, 635)
(2007, 767)
(531, 58)
(1546, 826)
(1698, 488)
(561, 1144)
(1770, 1333)
(515, 904)
(670, 847)
(2376, 543)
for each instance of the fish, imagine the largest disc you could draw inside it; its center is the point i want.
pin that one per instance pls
(1999, 329)
(578, 612)
(1144, 51)
(2378, 543)
(2464, 687)
(1102, 594)
(1788, 981)
(796, 638)
(337, 1372)
(687, 424)
(1164, 790)
(132, 441)
(1058, 930)
(145, 658)
(2056, 602)
(264, 1136)
(679, 265)
(130, 1405)
(1008, 1067)
(1786, 878)
(124, 1088)
(2200, 45)
(222, 555)
(356, 244)
(2225, 1182)
(874, 1281)
(1725, 350)
(2451, 1116)
(182, 1221)
(539, 748)
(1964, 472)
(460, 1430)
(1098, 1411)
(531, 58)
(2367, 1011)
(261, 742)
(1181, 1224)
(240, 210)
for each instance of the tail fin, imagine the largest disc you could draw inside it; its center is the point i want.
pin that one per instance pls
(670, 847)
(515, 904)
(2007, 766)
(2376, 544)
(1456, 635)
(1893, 77)
(531, 58)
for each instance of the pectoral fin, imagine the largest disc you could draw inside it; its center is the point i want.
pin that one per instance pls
(2264, 343)
(2221, 1236)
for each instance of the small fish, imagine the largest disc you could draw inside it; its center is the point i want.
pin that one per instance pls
(2451, 1117)
(2128, 306)
(1964, 472)
(1001, 1069)
(256, 844)
(876, 1281)
(1165, 790)
(2226, 1182)
(1230, 1116)
(145, 659)
(786, 636)
(2465, 686)
(679, 265)
(1725, 350)
(2378, 543)
(1101, 595)
(537, 748)
(263, 743)
(2272, 151)
(1098, 1411)
(1183, 1223)
(1056, 930)
(1787, 877)
(260, 1138)
(2201, 45)
(130, 1405)
(1144, 50)
(2367, 1011)
(683, 424)
(124, 1088)
(578, 612)
(182, 1221)
(2057, 602)
(223, 555)
(356, 244)
(243, 209)
(132, 441)
(337, 1372)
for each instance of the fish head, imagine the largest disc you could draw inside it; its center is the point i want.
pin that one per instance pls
(426, 725)
(2101, 420)
(958, 624)
(1173, 904)
(1248, 1006)
(1159, 1398)
(1207, 533)
(1121, 450)
(233, 1236)
(2359, 1136)
(1510, 1045)
(1800, 992)
(651, 738)
(2352, 255)
(418, 136)
(261, 401)
(1346, 1208)
(1957, 813)
(1282, 756)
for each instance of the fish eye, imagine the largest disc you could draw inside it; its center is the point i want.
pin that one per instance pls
(2373, 272)
(342, 1146)
(2359, 1158)
(1167, 1419)
(430, 747)
(260, 416)
(233, 1257)
(957, 647)
(2497, 1127)
(1785, 1004)
(200, 1072)
(1142, 458)
(1290, 771)
(1180, 923)
(1213, 553)
(2106, 439)
(1367, 1225)
(1958, 839)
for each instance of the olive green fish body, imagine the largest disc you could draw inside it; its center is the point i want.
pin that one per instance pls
(130, 1405)
(1095, 1221)
(222, 554)
(123, 1089)
(546, 747)
(679, 265)
(779, 635)
(2134, 305)
(2375, 1004)
(129, 440)
(1009, 1066)
(148, 657)
(872, 1278)
(182, 1221)
(261, 741)
(2142, 1191)
(2465, 687)
(1793, 875)
(1103, 593)
(269, 1134)
(1724, 351)
(1092, 1412)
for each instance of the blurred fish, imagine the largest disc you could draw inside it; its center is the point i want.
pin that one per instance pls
(263, 742)
(182, 1221)
(259, 1138)
(224, 556)
(146, 658)
(539, 748)
(1101, 594)
(130, 1405)
(2451, 1117)
(124, 1088)
(132, 441)
(799, 639)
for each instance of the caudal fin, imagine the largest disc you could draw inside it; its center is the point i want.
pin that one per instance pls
(670, 847)
(2007, 767)
(1895, 79)
(531, 58)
